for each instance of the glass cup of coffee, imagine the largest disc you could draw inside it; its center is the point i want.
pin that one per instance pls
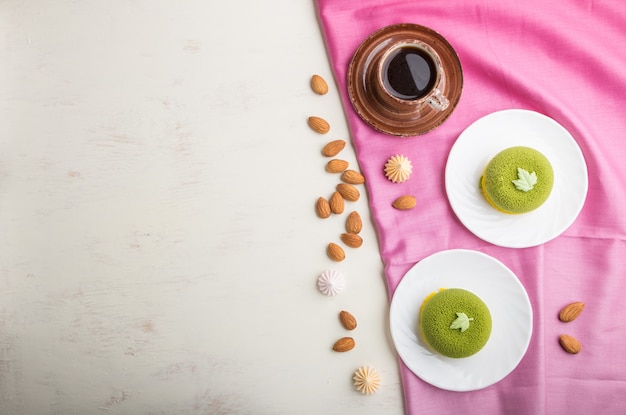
(407, 78)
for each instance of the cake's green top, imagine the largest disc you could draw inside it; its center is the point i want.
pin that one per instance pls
(455, 322)
(518, 180)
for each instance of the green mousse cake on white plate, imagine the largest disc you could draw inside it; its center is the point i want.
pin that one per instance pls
(455, 322)
(517, 180)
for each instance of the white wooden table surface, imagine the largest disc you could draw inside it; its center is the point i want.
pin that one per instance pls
(159, 248)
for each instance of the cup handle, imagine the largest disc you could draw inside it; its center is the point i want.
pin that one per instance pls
(438, 101)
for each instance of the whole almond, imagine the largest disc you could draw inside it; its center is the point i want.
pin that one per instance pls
(569, 344)
(322, 207)
(571, 311)
(354, 224)
(405, 202)
(344, 344)
(336, 203)
(336, 166)
(333, 148)
(352, 240)
(352, 177)
(347, 320)
(319, 85)
(319, 125)
(335, 252)
(348, 192)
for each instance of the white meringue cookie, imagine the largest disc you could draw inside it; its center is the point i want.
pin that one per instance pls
(330, 282)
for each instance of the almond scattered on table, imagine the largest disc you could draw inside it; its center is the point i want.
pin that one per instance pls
(405, 202)
(352, 177)
(347, 320)
(571, 311)
(570, 344)
(322, 207)
(319, 85)
(348, 191)
(352, 240)
(336, 166)
(354, 224)
(319, 125)
(335, 252)
(333, 148)
(344, 344)
(336, 203)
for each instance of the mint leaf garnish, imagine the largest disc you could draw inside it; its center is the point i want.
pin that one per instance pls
(525, 180)
(462, 322)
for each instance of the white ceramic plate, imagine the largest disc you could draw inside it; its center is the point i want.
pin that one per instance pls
(501, 291)
(488, 136)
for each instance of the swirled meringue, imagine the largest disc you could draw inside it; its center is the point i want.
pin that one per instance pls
(398, 168)
(330, 282)
(366, 380)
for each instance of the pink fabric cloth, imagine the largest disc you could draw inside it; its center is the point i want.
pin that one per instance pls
(565, 59)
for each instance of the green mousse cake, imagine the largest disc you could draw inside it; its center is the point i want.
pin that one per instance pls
(455, 322)
(517, 180)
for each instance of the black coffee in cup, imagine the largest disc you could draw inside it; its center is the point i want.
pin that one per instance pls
(409, 73)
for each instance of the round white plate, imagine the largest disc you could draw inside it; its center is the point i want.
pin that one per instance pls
(496, 285)
(488, 136)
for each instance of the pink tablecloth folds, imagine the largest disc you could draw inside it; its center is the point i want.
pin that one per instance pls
(563, 59)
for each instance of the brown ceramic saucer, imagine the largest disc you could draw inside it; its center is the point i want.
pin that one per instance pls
(397, 121)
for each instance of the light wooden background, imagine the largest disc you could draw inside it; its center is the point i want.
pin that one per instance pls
(159, 249)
